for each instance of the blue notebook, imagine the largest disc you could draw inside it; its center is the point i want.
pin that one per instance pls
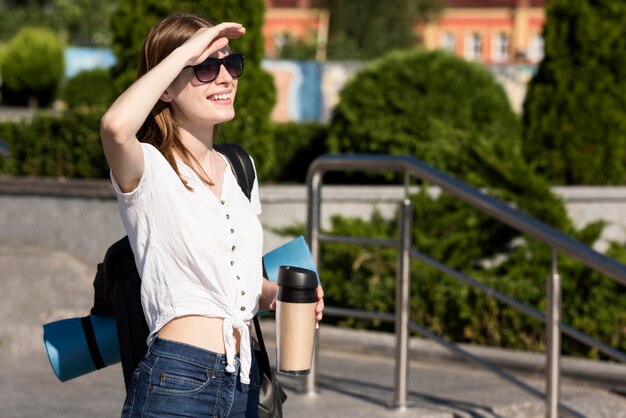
(294, 253)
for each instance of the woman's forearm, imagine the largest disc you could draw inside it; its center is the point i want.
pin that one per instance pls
(268, 294)
(124, 118)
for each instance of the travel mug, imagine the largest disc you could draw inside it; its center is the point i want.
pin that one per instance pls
(295, 319)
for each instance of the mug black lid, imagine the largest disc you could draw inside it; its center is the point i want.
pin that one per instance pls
(296, 277)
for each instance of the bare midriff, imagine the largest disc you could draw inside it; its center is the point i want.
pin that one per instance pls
(199, 331)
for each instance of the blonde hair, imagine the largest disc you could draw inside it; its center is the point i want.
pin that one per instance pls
(161, 128)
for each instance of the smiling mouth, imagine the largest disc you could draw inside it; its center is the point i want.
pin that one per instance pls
(224, 97)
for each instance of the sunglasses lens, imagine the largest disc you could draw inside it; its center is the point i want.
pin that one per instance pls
(208, 70)
(234, 65)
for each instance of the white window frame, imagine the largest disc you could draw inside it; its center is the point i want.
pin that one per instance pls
(448, 42)
(473, 46)
(535, 48)
(500, 47)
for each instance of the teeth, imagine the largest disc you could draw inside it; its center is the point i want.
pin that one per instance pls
(224, 96)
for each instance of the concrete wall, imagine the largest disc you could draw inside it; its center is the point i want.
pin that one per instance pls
(82, 219)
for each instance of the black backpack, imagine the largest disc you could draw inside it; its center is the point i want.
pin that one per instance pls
(117, 285)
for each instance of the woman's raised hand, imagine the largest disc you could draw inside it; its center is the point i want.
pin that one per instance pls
(207, 41)
(120, 124)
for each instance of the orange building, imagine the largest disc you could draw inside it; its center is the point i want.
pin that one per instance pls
(489, 31)
(505, 35)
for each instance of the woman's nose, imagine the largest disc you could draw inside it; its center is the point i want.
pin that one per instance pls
(223, 76)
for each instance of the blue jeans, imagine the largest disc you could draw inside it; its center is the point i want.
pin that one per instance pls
(180, 380)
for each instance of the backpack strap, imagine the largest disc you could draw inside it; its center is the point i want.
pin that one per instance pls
(240, 163)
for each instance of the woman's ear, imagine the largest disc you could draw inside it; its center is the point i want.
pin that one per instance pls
(166, 96)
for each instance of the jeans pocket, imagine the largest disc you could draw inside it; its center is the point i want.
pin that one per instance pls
(174, 377)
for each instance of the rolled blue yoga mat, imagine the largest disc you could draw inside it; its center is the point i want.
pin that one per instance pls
(77, 346)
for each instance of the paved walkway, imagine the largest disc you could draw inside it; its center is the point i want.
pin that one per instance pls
(350, 385)
(355, 375)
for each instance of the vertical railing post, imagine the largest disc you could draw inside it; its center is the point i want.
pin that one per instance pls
(313, 230)
(403, 285)
(407, 185)
(553, 363)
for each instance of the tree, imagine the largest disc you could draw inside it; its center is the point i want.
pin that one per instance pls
(366, 29)
(256, 94)
(32, 67)
(295, 48)
(81, 22)
(575, 108)
(86, 22)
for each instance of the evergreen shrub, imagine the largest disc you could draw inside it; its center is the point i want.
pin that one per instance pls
(454, 116)
(575, 107)
(448, 112)
(32, 67)
(59, 146)
(406, 102)
(88, 88)
(364, 278)
(297, 144)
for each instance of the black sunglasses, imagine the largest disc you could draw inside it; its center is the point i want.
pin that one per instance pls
(208, 70)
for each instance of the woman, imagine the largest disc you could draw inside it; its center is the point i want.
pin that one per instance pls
(196, 237)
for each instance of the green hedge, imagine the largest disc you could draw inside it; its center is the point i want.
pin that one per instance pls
(89, 88)
(69, 144)
(61, 146)
(364, 278)
(297, 144)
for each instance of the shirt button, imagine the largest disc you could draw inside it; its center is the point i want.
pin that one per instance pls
(234, 248)
(222, 202)
(238, 278)
(232, 231)
(243, 293)
(232, 263)
(243, 308)
(227, 216)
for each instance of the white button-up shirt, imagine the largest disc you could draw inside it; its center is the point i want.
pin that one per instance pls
(196, 253)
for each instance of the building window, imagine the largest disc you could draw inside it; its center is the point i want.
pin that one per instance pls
(473, 47)
(448, 42)
(500, 48)
(535, 49)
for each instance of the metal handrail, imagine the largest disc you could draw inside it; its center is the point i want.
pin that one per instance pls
(558, 241)
(471, 196)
